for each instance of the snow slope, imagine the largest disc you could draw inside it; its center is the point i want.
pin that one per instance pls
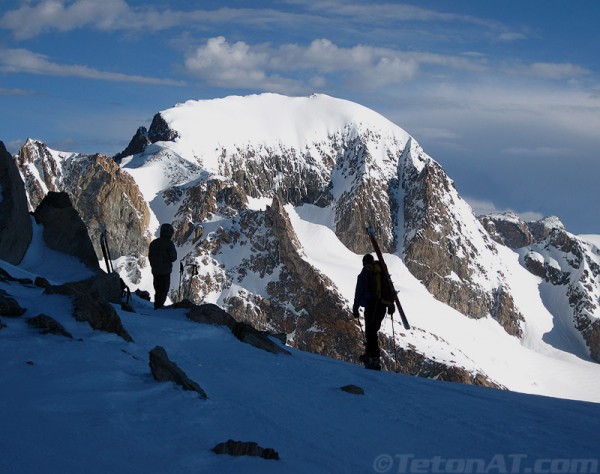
(90, 404)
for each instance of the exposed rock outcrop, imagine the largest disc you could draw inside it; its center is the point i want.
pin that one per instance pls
(353, 389)
(48, 325)
(450, 255)
(245, 448)
(138, 144)
(507, 229)
(91, 302)
(15, 223)
(160, 131)
(64, 230)
(213, 314)
(9, 306)
(246, 333)
(163, 370)
(572, 267)
(107, 199)
(209, 314)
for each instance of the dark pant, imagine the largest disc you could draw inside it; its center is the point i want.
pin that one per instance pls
(374, 315)
(162, 283)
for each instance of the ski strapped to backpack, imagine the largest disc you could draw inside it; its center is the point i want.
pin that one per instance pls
(386, 275)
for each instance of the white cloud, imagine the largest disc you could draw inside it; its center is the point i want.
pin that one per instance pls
(540, 151)
(236, 65)
(24, 61)
(555, 71)
(259, 66)
(29, 21)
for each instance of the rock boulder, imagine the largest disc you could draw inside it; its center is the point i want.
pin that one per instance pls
(15, 222)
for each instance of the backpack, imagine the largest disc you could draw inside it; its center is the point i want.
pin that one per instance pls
(383, 285)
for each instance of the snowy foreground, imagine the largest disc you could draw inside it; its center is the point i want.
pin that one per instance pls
(91, 405)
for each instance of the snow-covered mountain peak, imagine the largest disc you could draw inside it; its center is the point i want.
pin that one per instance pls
(207, 129)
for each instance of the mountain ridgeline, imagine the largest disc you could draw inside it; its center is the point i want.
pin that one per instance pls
(232, 174)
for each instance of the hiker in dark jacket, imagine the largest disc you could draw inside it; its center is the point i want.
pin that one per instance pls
(366, 295)
(162, 254)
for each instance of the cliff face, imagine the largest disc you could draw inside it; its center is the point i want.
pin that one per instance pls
(107, 199)
(15, 223)
(449, 251)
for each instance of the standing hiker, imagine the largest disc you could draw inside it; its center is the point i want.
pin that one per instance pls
(372, 294)
(162, 254)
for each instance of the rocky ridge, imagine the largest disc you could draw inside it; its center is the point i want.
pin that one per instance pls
(569, 266)
(107, 199)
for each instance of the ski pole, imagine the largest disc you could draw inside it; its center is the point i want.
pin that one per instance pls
(361, 328)
(394, 342)
(180, 275)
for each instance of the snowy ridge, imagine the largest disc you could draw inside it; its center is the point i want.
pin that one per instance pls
(266, 120)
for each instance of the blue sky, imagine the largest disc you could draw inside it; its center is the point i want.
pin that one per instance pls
(504, 94)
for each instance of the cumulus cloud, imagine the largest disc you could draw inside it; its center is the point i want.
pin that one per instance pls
(25, 61)
(263, 66)
(236, 65)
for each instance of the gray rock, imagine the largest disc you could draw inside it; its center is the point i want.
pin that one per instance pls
(91, 302)
(354, 389)
(508, 229)
(246, 333)
(163, 369)
(138, 144)
(210, 314)
(543, 228)
(9, 306)
(437, 247)
(576, 272)
(107, 198)
(104, 285)
(48, 325)
(41, 282)
(64, 230)
(245, 448)
(15, 222)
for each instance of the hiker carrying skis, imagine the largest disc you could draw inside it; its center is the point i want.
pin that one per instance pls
(162, 254)
(368, 294)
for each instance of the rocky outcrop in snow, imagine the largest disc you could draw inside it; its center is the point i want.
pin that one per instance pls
(448, 250)
(508, 229)
(573, 267)
(107, 199)
(64, 230)
(165, 370)
(15, 223)
(565, 262)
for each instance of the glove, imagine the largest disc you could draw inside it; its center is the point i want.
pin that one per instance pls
(391, 309)
(355, 312)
